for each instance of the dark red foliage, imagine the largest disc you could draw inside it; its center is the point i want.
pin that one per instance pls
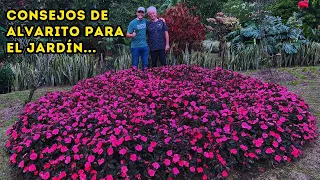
(184, 28)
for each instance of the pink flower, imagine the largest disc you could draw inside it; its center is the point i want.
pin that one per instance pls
(295, 152)
(152, 105)
(124, 169)
(64, 149)
(192, 169)
(143, 138)
(110, 151)
(55, 131)
(224, 173)
(175, 171)
(138, 147)
(100, 161)
(264, 135)
(32, 167)
(167, 140)
(45, 175)
(258, 142)
(33, 156)
(169, 153)
(200, 170)
(62, 174)
(263, 126)
(122, 151)
(36, 137)
(252, 155)
(246, 126)
(167, 162)
(243, 147)
(109, 177)
(156, 165)
(277, 158)
(269, 151)
(234, 151)
(275, 144)
(176, 158)
(227, 128)
(68, 159)
(151, 172)
(150, 149)
(21, 164)
(133, 157)
(91, 158)
(75, 149)
(87, 166)
(153, 144)
(300, 118)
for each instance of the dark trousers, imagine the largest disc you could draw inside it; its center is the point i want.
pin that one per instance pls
(161, 54)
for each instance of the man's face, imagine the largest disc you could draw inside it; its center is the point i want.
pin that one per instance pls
(152, 14)
(140, 14)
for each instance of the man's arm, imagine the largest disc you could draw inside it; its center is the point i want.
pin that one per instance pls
(166, 34)
(131, 35)
(131, 31)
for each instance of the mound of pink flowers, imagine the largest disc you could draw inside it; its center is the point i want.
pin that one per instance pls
(166, 123)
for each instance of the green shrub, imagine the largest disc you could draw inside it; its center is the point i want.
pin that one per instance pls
(272, 33)
(311, 15)
(239, 9)
(6, 78)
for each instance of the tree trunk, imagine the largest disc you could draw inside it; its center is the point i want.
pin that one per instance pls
(30, 96)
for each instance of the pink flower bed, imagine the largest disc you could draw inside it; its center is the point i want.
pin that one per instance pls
(170, 122)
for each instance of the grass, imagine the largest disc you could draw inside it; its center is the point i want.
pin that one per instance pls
(10, 106)
(22, 95)
(305, 81)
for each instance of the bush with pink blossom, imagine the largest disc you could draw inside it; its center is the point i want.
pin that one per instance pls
(165, 123)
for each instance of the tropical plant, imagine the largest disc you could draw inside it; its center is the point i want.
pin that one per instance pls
(272, 34)
(184, 28)
(222, 26)
(309, 10)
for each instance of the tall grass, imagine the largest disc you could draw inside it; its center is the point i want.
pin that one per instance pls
(51, 70)
(253, 57)
(123, 58)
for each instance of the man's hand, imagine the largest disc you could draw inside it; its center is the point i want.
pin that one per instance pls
(167, 47)
(162, 19)
(133, 34)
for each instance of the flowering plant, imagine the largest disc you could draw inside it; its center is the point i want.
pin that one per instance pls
(168, 122)
(303, 4)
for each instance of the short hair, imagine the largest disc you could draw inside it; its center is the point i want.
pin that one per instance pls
(152, 8)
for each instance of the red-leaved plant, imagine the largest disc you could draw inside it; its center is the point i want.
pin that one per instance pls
(184, 28)
(165, 123)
